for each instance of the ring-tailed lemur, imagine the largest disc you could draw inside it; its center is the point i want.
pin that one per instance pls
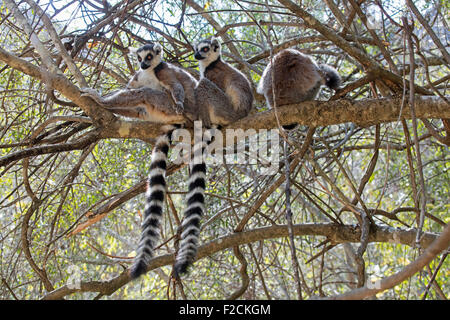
(146, 98)
(232, 88)
(227, 78)
(297, 78)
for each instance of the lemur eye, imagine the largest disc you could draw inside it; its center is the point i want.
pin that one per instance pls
(205, 49)
(149, 56)
(139, 58)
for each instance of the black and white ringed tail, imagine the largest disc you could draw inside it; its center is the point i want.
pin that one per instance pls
(154, 197)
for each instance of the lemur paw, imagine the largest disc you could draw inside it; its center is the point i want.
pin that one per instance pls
(179, 107)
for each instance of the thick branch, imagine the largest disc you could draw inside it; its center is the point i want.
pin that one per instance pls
(336, 233)
(59, 82)
(434, 249)
(312, 113)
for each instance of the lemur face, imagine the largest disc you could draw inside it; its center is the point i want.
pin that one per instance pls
(207, 51)
(149, 55)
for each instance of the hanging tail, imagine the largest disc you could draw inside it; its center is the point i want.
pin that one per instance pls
(156, 191)
(195, 207)
(332, 78)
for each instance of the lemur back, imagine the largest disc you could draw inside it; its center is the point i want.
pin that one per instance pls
(296, 77)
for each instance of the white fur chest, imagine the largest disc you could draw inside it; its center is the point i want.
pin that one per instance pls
(205, 63)
(148, 78)
(202, 66)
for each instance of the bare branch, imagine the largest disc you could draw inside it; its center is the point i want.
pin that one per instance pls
(338, 233)
(439, 245)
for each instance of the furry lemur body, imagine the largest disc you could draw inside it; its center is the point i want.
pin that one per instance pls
(295, 77)
(234, 90)
(158, 91)
(228, 79)
(162, 92)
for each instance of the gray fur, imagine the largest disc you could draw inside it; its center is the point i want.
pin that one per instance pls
(164, 88)
(297, 78)
(227, 95)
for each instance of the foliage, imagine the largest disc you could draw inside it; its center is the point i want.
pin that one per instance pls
(45, 197)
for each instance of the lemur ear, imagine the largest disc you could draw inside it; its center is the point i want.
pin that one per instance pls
(157, 48)
(215, 43)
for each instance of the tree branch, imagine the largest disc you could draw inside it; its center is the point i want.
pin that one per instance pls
(45, 149)
(337, 234)
(432, 251)
(312, 113)
(99, 115)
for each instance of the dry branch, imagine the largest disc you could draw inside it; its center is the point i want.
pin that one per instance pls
(336, 233)
(59, 82)
(440, 244)
(364, 112)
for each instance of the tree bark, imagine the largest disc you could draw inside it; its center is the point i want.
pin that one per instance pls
(336, 233)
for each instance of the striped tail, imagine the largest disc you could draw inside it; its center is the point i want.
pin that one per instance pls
(156, 191)
(195, 208)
